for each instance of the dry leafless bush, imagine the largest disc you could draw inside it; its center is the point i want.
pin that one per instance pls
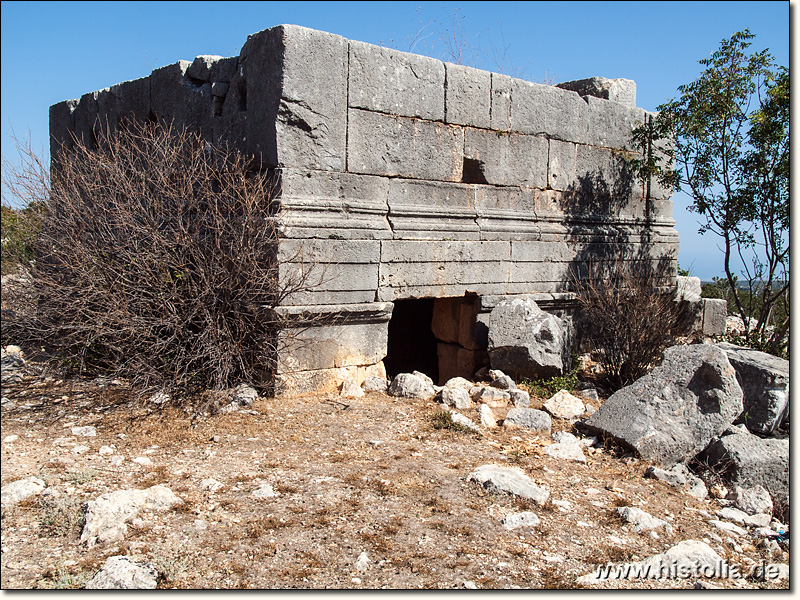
(629, 316)
(156, 260)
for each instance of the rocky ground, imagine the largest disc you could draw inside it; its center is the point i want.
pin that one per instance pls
(325, 491)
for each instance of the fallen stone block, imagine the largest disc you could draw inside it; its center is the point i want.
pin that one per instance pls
(671, 414)
(764, 380)
(122, 573)
(536, 420)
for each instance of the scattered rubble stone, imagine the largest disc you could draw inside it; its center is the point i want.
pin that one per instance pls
(522, 519)
(641, 520)
(460, 419)
(536, 420)
(511, 480)
(122, 573)
(17, 491)
(456, 397)
(374, 384)
(564, 405)
(520, 398)
(351, 389)
(487, 416)
(408, 385)
(752, 500)
(107, 515)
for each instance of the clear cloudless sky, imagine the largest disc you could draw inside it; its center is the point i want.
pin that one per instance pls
(53, 51)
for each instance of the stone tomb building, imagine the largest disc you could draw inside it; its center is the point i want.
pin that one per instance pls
(428, 191)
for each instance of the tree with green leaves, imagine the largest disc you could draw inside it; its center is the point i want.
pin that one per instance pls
(725, 141)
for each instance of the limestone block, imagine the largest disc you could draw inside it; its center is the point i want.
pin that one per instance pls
(764, 379)
(446, 317)
(561, 165)
(672, 413)
(296, 96)
(292, 383)
(413, 214)
(622, 91)
(467, 96)
(605, 185)
(544, 109)
(510, 202)
(611, 123)
(457, 361)
(379, 144)
(715, 313)
(333, 337)
(398, 83)
(505, 159)
(176, 98)
(317, 204)
(500, 117)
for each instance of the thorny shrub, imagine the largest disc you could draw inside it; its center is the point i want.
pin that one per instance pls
(156, 261)
(630, 316)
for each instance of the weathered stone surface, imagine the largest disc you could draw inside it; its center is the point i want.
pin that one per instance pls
(17, 491)
(351, 389)
(747, 460)
(536, 420)
(561, 165)
(715, 313)
(641, 520)
(393, 146)
(508, 159)
(565, 451)
(752, 500)
(511, 480)
(407, 385)
(296, 82)
(527, 342)
(616, 90)
(564, 405)
(610, 125)
(487, 416)
(764, 380)
(544, 109)
(174, 96)
(520, 398)
(455, 360)
(393, 82)
(671, 414)
(375, 384)
(501, 102)
(522, 519)
(492, 397)
(122, 573)
(264, 491)
(107, 515)
(460, 419)
(456, 397)
(467, 96)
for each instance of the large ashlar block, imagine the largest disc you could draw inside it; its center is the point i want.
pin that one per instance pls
(326, 204)
(398, 83)
(176, 98)
(457, 361)
(393, 146)
(546, 110)
(611, 124)
(414, 215)
(296, 97)
(454, 321)
(467, 96)
(500, 158)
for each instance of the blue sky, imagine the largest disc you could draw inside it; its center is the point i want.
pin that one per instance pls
(53, 51)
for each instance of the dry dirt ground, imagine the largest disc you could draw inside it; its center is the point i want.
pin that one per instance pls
(371, 475)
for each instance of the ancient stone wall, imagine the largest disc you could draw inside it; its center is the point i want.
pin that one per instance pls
(409, 178)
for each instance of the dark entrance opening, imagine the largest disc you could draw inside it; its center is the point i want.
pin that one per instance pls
(412, 345)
